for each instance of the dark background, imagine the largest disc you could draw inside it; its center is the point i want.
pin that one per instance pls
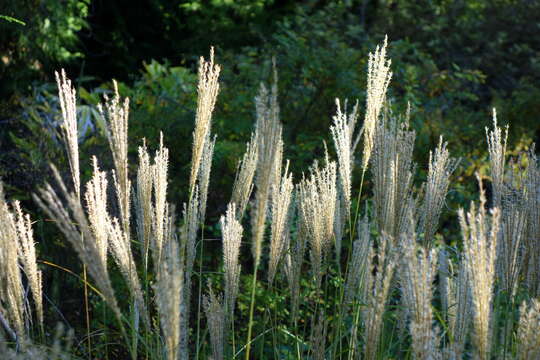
(453, 61)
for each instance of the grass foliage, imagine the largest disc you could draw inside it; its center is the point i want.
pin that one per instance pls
(328, 276)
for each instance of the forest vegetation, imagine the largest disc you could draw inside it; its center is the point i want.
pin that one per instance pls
(310, 188)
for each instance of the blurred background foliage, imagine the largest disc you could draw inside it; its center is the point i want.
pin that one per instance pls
(453, 60)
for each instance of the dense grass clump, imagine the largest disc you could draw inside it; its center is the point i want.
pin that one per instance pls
(328, 276)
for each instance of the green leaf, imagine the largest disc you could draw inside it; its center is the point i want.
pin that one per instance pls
(12, 19)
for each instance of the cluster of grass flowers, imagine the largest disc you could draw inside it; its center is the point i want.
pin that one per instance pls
(353, 280)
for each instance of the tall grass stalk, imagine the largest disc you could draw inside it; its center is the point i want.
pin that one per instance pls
(243, 183)
(68, 104)
(270, 150)
(480, 234)
(232, 236)
(381, 264)
(207, 91)
(215, 313)
(378, 79)
(26, 253)
(317, 199)
(441, 166)
(343, 130)
(416, 277)
(280, 213)
(12, 290)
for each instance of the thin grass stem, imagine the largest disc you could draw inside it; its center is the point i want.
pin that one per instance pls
(251, 309)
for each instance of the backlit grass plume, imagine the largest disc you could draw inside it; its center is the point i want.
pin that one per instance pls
(378, 78)
(417, 277)
(357, 272)
(120, 246)
(377, 300)
(27, 255)
(316, 207)
(497, 151)
(441, 167)
(11, 287)
(480, 234)
(116, 113)
(268, 131)
(159, 174)
(294, 258)
(528, 330)
(144, 206)
(215, 315)
(392, 171)
(343, 129)
(280, 210)
(169, 297)
(71, 219)
(243, 183)
(455, 292)
(207, 90)
(232, 236)
(68, 104)
(96, 204)
(381, 264)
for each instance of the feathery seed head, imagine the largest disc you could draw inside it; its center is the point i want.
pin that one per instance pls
(96, 203)
(27, 256)
(294, 258)
(392, 169)
(231, 230)
(215, 315)
(281, 204)
(510, 246)
(318, 337)
(480, 234)
(417, 276)
(317, 201)
(204, 176)
(207, 91)
(67, 97)
(459, 300)
(441, 166)
(342, 135)
(11, 287)
(268, 131)
(74, 224)
(144, 209)
(359, 262)
(159, 174)
(116, 113)
(378, 78)
(497, 151)
(121, 250)
(243, 183)
(169, 295)
(528, 330)
(381, 264)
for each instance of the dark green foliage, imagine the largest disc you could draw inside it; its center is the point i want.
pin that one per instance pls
(452, 61)
(50, 36)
